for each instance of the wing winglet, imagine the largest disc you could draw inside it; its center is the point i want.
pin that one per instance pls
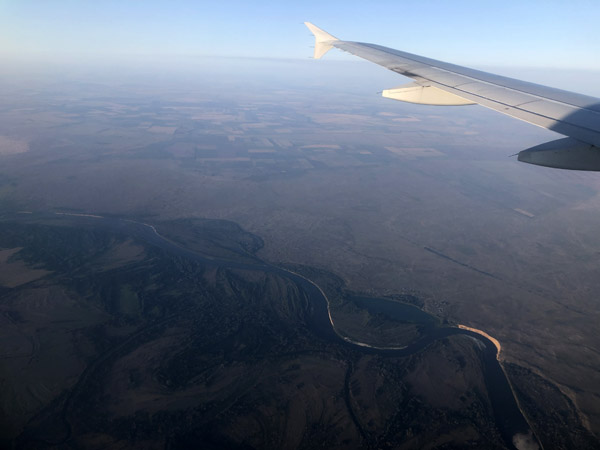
(322, 40)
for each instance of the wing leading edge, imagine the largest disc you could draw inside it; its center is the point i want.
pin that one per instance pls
(439, 83)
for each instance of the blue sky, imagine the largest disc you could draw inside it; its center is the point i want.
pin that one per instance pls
(546, 33)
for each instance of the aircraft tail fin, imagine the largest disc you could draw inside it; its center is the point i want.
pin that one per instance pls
(322, 40)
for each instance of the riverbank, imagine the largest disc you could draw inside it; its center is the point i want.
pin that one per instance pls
(493, 340)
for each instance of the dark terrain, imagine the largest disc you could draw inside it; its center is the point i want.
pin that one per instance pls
(159, 351)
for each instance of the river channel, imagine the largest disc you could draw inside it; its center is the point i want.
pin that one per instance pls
(509, 419)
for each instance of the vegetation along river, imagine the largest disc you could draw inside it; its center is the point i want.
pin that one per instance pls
(509, 419)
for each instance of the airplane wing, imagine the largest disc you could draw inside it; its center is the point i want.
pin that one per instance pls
(439, 83)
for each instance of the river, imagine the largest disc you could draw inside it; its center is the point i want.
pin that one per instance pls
(510, 421)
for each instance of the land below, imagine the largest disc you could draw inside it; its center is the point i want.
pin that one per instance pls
(365, 196)
(117, 341)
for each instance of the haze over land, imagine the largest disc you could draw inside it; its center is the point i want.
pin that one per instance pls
(393, 199)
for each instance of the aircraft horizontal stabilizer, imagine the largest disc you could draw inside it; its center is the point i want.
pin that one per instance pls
(565, 153)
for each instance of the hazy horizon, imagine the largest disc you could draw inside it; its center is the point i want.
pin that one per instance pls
(535, 33)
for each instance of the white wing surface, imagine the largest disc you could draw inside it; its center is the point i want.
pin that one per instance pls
(439, 83)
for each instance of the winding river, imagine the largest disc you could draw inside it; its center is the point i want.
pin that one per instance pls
(510, 421)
